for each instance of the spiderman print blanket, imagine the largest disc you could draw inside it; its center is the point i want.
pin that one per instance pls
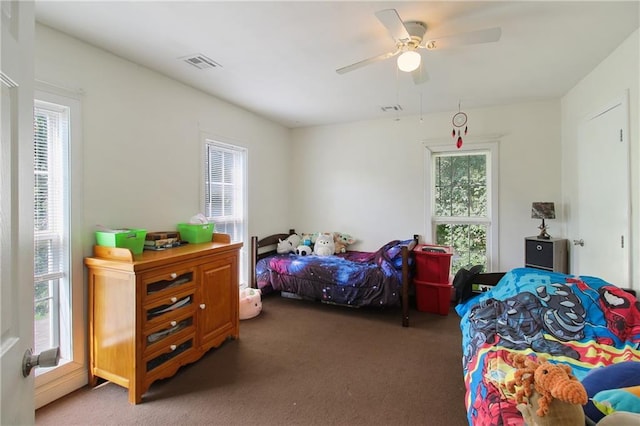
(583, 322)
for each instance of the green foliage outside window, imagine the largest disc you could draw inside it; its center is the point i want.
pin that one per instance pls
(461, 206)
(469, 243)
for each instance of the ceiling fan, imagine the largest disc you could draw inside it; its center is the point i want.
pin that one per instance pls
(409, 37)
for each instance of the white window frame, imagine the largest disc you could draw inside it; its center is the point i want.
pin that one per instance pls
(226, 144)
(492, 151)
(71, 373)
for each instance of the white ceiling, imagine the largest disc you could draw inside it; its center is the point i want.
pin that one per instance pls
(278, 59)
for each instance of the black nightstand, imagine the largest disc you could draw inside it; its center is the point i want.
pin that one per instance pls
(550, 255)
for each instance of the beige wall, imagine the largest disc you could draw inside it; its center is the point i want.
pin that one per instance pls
(142, 141)
(617, 74)
(142, 154)
(368, 178)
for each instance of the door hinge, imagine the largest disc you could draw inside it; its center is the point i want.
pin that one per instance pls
(621, 241)
(620, 135)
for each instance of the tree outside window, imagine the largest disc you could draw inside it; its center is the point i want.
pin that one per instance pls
(461, 206)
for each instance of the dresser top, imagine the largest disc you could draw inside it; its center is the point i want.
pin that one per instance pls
(124, 259)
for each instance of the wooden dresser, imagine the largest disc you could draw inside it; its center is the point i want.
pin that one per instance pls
(150, 314)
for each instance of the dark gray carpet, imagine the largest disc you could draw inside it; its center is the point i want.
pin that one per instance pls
(300, 363)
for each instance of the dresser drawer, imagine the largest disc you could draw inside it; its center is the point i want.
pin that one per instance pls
(539, 253)
(550, 254)
(167, 308)
(166, 281)
(169, 329)
(170, 352)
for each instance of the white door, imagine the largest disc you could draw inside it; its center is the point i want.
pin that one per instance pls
(602, 243)
(16, 211)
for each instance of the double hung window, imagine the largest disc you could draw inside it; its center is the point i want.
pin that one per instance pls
(225, 193)
(463, 201)
(58, 275)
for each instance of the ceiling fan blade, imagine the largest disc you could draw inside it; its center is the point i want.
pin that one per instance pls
(474, 37)
(366, 62)
(391, 20)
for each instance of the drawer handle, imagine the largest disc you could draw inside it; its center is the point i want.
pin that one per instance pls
(173, 275)
(173, 323)
(202, 306)
(539, 247)
(173, 347)
(174, 299)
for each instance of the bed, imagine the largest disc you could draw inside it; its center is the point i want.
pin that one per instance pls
(583, 322)
(355, 278)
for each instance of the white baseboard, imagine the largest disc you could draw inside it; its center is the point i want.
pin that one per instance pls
(60, 387)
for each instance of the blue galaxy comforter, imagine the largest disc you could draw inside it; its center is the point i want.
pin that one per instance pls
(354, 278)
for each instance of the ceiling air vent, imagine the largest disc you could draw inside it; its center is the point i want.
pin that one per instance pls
(391, 108)
(201, 62)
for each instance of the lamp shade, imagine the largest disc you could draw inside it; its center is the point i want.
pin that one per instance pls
(543, 210)
(409, 61)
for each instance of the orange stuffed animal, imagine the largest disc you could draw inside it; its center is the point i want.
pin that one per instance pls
(549, 394)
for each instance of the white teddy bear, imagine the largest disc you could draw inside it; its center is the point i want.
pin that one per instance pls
(324, 245)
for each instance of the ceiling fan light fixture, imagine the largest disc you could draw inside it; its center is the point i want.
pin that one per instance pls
(409, 61)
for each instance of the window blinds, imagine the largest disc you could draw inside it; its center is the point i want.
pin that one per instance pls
(51, 131)
(224, 188)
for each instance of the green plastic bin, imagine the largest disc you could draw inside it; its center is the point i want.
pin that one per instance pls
(196, 233)
(133, 239)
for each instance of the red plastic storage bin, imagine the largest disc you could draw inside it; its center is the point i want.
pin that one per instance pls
(433, 263)
(433, 297)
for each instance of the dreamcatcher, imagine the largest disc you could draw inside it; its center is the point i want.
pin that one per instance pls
(459, 121)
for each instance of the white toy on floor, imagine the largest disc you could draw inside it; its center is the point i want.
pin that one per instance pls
(250, 303)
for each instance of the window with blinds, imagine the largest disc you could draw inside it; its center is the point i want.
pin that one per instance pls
(51, 250)
(225, 192)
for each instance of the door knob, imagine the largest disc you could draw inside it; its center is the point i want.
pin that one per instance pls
(48, 358)
(579, 242)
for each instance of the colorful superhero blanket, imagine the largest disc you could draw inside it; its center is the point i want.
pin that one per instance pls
(583, 322)
(353, 278)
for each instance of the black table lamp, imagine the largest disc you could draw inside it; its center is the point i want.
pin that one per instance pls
(543, 210)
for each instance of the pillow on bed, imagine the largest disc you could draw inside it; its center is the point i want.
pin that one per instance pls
(614, 376)
(622, 399)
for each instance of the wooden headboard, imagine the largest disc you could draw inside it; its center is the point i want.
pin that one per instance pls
(263, 248)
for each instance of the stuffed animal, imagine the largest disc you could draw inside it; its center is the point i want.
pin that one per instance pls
(549, 394)
(284, 247)
(288, 245)
(250, 303)
(303, 250)
(342, 241)
(308, 239)
(324, 245)
(294, 239)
